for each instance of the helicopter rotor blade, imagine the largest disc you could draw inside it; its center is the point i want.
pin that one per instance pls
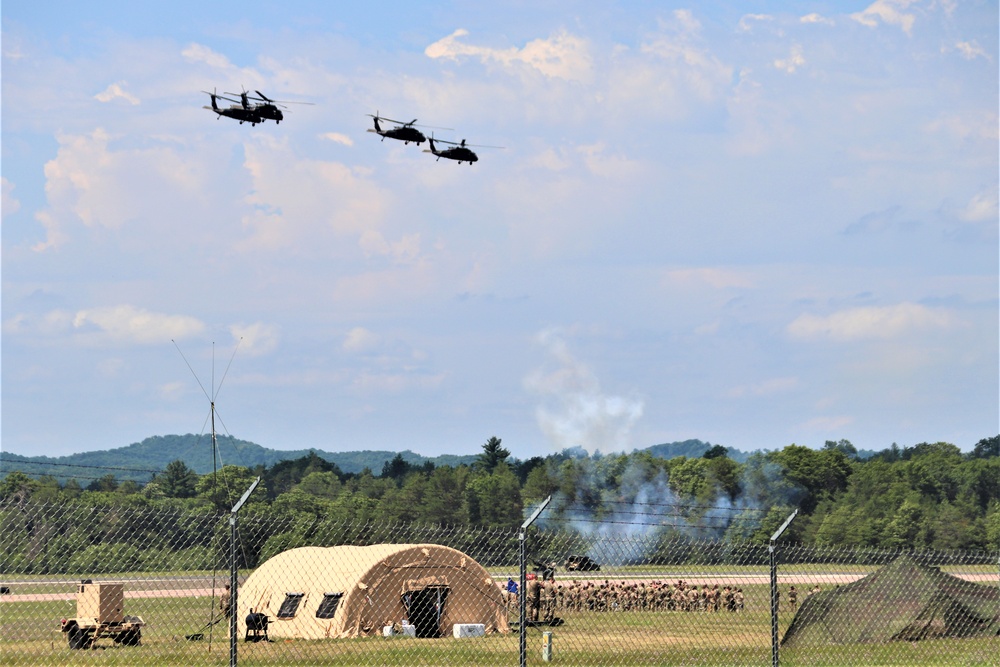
(265, 98)
(377, 117)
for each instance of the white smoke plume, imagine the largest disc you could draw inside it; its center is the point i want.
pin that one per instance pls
(574, 411)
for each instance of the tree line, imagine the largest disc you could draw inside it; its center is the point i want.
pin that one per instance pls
(928, 496)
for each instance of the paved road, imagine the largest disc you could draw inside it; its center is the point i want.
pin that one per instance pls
(201, 586)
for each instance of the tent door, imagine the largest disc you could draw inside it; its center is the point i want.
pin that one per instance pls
(424, 608)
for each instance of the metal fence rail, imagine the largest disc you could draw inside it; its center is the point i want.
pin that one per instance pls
(326, 592)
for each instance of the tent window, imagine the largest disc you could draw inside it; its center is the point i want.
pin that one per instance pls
(328, 607)
(290, 605)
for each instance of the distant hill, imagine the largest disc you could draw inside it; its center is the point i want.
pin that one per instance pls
(693, 449)
(140, 460)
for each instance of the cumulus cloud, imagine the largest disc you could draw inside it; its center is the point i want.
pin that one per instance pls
(875, 322)
(816, 18)
(295, 200)
(976, 219)
(53, 322)
(198, 53)
(794, 60)
(890, 12)
(693, 64)
(972, 50)
(403, 251)
(116, 91)
(983, 207)
(126, 323)
(575, 411)
(337, 138)
(977, 124)
(747, 21)
(359, 339)
(101, 186)
(8, 204)
(562, 56)
(257, 338)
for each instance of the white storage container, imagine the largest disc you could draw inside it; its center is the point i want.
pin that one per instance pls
(460, 630)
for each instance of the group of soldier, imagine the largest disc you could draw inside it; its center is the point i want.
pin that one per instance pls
(546, 598)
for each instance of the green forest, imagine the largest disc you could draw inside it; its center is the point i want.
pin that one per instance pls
(928, 496)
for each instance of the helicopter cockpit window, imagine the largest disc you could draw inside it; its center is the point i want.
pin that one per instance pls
(290, 605)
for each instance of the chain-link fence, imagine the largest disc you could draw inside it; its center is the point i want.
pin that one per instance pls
(128, 585)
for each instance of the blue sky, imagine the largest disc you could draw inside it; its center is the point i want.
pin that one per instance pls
(751, 223)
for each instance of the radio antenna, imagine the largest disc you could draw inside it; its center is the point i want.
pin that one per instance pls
(211, 398)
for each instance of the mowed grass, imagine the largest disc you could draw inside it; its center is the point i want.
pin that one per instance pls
(29, 635)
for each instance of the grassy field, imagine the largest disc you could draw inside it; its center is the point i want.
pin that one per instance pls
(29, 635)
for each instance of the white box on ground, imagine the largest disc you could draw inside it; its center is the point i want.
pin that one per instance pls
(460, 630)
(404, 631)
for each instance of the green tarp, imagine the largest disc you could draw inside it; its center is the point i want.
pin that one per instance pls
(903, 601)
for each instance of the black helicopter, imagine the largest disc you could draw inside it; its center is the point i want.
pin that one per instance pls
(459, 151)
(264, 106)
(243, 112)
(405, 132)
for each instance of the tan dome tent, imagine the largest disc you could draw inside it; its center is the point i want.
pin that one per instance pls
(345, 591)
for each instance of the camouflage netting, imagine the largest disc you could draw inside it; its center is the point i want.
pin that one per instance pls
(903, 601)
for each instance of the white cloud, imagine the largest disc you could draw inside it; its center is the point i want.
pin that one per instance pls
(127, 323)
(794, 60)
(93, 183)
(8, 204)
(816, 18)
(172, 391)
(747, 21)
(972, 50)
(693, 65)
(890, 12)
(983, 207)
(360, 339)
(752, 125)
(198, 53)
(296, 202)
(116, 91)
(601, 164)
(52, 323)
(337, 138)
(875, 322)
(575, 412)
(255, 339)
(407, 249)
(562, 55)
(977, 124)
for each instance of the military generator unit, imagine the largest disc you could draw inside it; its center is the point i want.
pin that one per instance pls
(100, 612)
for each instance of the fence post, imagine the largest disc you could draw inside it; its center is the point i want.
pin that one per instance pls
(774, 587)
(522, 566)
(234, 579)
